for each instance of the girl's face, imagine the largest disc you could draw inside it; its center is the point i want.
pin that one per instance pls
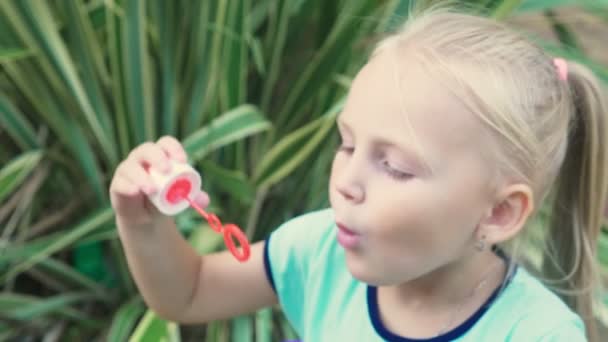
(411, 196)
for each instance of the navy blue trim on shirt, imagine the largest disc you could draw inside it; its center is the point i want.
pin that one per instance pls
(267, 265)
(374, 313)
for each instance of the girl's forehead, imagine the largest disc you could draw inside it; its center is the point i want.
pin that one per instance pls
(395, 96)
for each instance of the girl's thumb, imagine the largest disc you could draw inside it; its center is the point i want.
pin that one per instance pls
(201, 199)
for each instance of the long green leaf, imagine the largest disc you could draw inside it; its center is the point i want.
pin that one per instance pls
(125, 319)
(137, 71)
(287, 329)
(293, 149)
(114, 33)
(69, 237)
(235, 52)
(26, 308)
(505, 8)
(278, 35)
(232, 126)
(206, 87)
(16, 125)
(234, 182)
(204, 240)
(46, 30)
(263, 325)
(13, 54)
(152, 329)
(166, 26)
(88, 53)
(69, 132)
(69, 275)
(543, 5)
(15, 172)
(242, 329)
(40, 307)
(330, 56)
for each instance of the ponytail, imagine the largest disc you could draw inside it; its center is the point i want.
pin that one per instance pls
(580, 200)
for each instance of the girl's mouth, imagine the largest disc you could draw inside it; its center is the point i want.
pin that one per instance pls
(347, 238)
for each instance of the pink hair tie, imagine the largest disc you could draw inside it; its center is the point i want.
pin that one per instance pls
(562, 68)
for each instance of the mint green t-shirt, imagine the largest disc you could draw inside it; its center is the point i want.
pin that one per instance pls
(323, 302)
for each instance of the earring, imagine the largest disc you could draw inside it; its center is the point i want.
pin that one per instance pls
(481, 244)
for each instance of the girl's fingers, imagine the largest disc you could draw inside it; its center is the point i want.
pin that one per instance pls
(124, 187)
(134, 173)
(201, 199)
(172, 148)
(151, 155)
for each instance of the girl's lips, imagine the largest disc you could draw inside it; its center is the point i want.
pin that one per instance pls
(347, 238)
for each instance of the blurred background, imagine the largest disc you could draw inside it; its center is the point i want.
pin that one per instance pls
(251, 88)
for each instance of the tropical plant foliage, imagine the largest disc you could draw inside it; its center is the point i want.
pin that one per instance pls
(251, 88)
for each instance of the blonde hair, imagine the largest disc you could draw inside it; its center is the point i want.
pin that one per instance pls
(548, 132)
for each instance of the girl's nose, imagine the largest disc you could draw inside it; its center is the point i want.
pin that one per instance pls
(351, 193)
(349, 185)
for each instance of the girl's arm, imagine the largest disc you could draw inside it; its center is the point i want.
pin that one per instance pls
(182, 286)
(173, 279)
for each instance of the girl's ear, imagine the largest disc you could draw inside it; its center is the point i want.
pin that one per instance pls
(507, 217)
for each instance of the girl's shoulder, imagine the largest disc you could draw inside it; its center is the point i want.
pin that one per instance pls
(304, 232)
(528, 310)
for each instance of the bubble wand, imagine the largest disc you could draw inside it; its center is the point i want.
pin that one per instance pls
(175, 193)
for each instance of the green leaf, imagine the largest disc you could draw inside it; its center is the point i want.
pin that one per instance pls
(27, 308)
(43, 27)
(12, 54)
(125, 319)
(287, 329)
(320, 69)
(205, 240)
(234, 182)
(165, 12)
(49, 107)
(69, 275)
(137, 72)
(217, 331)
(279, 36)
(152, 328)
(114, 33)
(234, 55)
(207, 51)
(232, 126)
(542, 5)
(87, 51)
(562, 31)
(242, 329)
(16, 125)
(263, 325)
(65, 238)
(506, 8)
(15, 172)
(293, 149)
(603, 249)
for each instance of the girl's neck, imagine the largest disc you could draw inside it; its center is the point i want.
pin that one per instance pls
(450, 285)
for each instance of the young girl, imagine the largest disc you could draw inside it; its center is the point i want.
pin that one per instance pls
(452, 135)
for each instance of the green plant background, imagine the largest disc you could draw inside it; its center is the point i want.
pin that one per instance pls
(250, 87)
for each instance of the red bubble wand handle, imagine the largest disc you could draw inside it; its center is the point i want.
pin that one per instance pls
(229, 230)
(180, 190)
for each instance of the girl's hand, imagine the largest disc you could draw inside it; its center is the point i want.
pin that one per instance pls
(131, 182)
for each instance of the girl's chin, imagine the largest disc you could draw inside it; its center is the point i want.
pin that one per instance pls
(370, 274)
(365, 273)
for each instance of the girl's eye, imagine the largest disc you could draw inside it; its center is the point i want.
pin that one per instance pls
(393, 172)
(345, 148)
